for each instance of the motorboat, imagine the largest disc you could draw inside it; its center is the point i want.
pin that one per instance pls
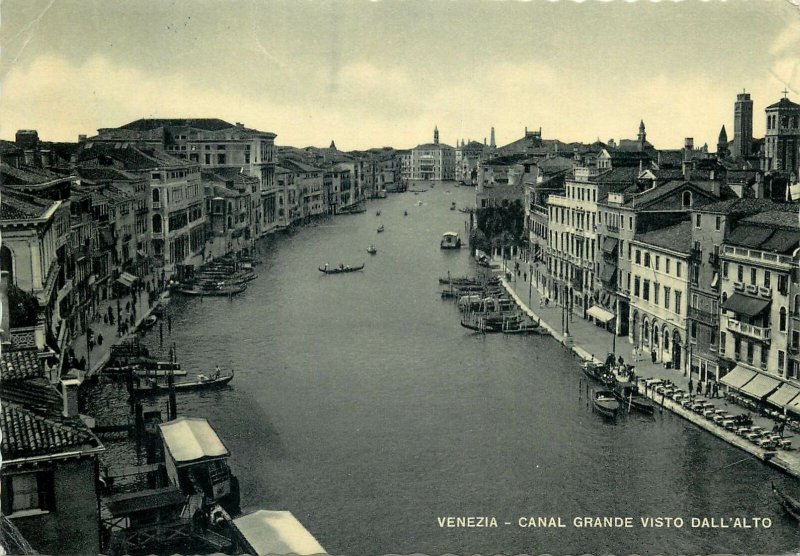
(450, 240)
(605, 402)
(380, 228)
(372, 250)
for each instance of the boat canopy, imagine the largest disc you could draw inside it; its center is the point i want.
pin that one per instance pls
(450, 234)
(600, 314)
(276, 532)
(738, 377)
(190, 440)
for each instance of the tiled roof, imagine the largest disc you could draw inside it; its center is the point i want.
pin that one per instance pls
(208, 124)
(132, 157)
(104, 173)
(15, 205)
(676, 238)
(788, 218)
(748, 206)
(21, 364)
(433, 146)
(233, 174)
(27, 434)
(784, 103)
(35, 394)
(623, 175)
(27, 175)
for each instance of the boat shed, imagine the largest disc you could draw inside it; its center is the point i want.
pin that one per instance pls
(195, 457)
(274, 532)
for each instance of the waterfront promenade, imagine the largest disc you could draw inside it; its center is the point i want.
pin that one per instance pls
(593, 343)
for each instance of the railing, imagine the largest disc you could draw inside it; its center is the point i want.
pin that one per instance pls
(703, 316)
(744, 253)
(612, 228)
(752, 331)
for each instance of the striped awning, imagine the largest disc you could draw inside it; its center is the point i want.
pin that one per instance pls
(783, 395)
(738, 377)
(761, 386)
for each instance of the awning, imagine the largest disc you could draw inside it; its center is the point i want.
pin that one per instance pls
(191, 439)
(610, 245)
(738, 377)
(715, 280)
(783, 395)
(126, 279)
(760, 386)
(276, 532)
(608, 273)
(745, 305)
(600, 314)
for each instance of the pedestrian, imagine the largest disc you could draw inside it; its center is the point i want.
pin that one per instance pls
(99, 339)
(780, 428)
(708, 388)
(691, 387)
(715, 390)
(653, 355)
(524, 276)
(546, 301)
(700, 387)
(621, 361)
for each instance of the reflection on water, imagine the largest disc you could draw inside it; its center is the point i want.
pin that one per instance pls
(362, 406)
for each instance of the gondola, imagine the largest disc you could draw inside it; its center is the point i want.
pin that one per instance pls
(340, 269)
(148, 386)
(790, 505)
(148, 323)
(223, 290)
(605, 402)
(380, 228)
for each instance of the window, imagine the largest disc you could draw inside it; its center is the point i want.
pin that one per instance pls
(724, 299)
(764, 355)
(750, 352)
(666, 297)
(687, 199)
(678, 302)
(667, 264)
(725, 269)
(656, 291)
(693, 330)
(636, 286)
(718, 223)
(722, 342)
(739, 273)
(753, 276)
(646, 290)
(782, 284)
(221, 158)
(781, 361)
(678, 269)
(737, 348)
(156, 196)
(630, 222)
(766, 278)
(629, 252)
(208, 158)
(697, 221)
(28, 492)
(638, 257)
(647, 260)
(658, 262)
(782, 319)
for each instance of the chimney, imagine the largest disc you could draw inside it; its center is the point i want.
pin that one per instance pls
(240, 125)
(69, 392)
(82, 138)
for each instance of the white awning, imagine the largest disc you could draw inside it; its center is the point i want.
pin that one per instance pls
(738, 377)
(600, 315)
(783, 395)
(760, 386)
(189, 440)
(126, 279)
(276, 532)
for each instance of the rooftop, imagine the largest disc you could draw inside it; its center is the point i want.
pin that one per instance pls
(784, 103)
(676, 238)
(15, 205)
(20, 364)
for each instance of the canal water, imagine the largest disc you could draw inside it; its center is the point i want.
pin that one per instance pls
(360, 405)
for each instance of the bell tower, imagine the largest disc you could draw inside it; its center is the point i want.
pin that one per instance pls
(435, 135)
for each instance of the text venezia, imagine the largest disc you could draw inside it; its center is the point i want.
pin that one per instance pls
(595, 522)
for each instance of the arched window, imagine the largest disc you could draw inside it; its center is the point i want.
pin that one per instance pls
(156, 222)
(665, 336)
(156, 196)
(687, 198)
(796, 308)
(782, 319)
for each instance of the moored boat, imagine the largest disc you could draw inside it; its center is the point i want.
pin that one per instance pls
(605, 402)
(145, 386)
(341, 269)
(148, 323)
(212, 290)
(453, 205)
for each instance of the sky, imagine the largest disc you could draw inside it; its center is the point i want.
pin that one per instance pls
(371, 74)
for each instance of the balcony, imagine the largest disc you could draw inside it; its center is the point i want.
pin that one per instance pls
(749, 330)
(703, 316)
(751, 255)
(613, 228)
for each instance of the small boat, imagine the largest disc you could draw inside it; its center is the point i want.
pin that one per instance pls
(371, 250)
(453, 205)
(790, 505)
(378, 213)
(419, 203)
(605, 402)
(216, 290)
(450, 240)
(341, 269)
(405, 213)
(148, 323)
(380, 228)
(147, 386)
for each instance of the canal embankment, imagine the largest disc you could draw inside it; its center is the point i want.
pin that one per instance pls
(592, 343)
